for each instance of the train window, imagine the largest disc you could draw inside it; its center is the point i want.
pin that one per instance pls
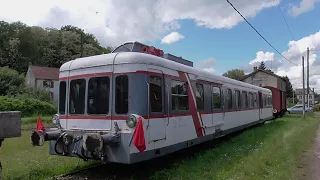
(251, 100)
(77, 96)
(238, 99)
(200, 96)
(155, 93)
(229, 98)
(98, 95)
(122, 94)
(62, 97)
(255, 100)
(179, 95)
(245, 99)
(216, 97)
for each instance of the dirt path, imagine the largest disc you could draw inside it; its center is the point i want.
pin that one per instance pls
(314, 163)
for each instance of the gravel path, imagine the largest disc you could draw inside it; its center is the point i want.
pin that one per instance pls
(314, 163)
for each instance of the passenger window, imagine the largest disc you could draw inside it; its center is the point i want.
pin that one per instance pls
(229, 98)
(251, 100)
(245, 99)
(238, 99)
(77, 96)
(179, 95)
(216, 97)
(155, 93)
(255, 100)
(62, 97)
(200, 96)
(122, 94)
(98, 95)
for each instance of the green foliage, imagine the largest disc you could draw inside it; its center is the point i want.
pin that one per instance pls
(27, 106)
(21, 44)
(236, 74)
(288, 87)
(316, 107)
(11, 82)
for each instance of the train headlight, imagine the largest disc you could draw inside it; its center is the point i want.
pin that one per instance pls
(56, 120)
(131, 121)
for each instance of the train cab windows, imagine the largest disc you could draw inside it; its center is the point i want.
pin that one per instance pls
(155, 93)
(216, 97)
(238, 99)
(98, 95)
(121, 94)
(179, 95)
(200, 96)
(62, 97)
(229, 98)
(77, 96)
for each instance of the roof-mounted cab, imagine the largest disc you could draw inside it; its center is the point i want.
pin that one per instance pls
(142, 48)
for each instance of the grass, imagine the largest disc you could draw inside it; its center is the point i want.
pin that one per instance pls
(271, 151)
(267, 152)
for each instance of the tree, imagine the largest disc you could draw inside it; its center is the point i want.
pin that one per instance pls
(289, 88)
(236, 74)
(262, 66)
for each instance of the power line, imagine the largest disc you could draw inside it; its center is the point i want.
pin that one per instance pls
(286, 23)
(260, 34)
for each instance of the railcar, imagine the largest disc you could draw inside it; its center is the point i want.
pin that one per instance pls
(138, 103)
(279, 102)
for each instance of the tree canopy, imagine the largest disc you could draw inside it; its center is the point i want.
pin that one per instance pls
(289, 88)
(236, 74)
(21, 44)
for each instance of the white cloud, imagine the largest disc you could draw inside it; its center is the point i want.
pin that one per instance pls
(122, 20)
(207, 65)
(171, 38)
(304, 6)
(296, 49)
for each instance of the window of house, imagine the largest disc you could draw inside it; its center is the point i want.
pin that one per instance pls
(47, 84)
(62, 97)
(155, 83)
(179, 95)
(122, 94)
(238, 99)
(77, 96)
(245, 99)
(200, 96)
(216, 97)
(98, 95)
(229, 98)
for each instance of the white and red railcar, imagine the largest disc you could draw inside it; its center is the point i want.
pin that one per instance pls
(103, 98)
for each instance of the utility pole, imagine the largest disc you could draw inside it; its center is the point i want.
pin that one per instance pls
(303, 92)
(308, 78)
(81, 55)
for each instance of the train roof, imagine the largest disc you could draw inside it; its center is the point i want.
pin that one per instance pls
(143, 58)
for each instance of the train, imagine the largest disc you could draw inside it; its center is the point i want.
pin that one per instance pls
(137, 103)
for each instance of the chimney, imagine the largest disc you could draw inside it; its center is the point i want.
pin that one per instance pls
(255, 68)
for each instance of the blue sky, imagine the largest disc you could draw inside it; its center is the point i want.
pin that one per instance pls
(215, 37)
(236, 47)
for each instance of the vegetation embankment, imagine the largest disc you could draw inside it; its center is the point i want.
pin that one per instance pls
(271, 151)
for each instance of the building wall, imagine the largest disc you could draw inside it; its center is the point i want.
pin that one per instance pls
(30, 79)
(262, 79)
(54, 90)
(311, 98)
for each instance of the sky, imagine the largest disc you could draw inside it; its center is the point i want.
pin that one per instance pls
(208, 32)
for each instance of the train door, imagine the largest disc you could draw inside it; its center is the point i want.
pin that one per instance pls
(260, 106)
(157, 114)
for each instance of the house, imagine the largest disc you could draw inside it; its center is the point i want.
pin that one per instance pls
(262, 78)
(45, 78)
(299, 94)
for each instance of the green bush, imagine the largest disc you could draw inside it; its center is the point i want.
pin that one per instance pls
(11, 82)
(32, 93)
(27, 106)
(316, 107)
